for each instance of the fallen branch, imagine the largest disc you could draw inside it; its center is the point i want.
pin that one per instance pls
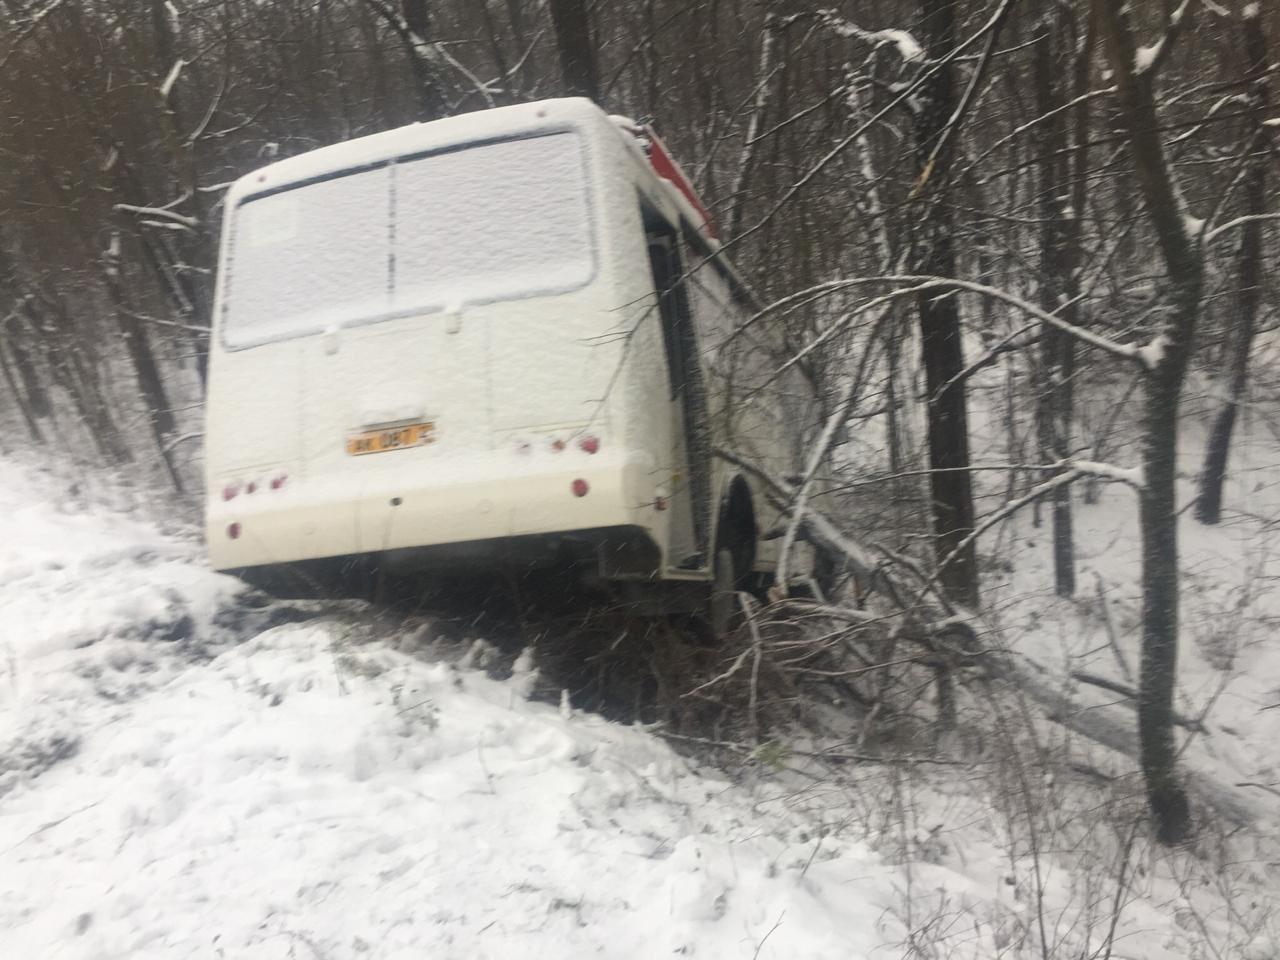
(950, 630)
(160, 213)
(1124, 690)
(1110, 626)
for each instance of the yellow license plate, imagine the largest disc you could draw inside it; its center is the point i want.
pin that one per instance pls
(391, 438)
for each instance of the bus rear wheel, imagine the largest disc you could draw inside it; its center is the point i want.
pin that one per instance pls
(733, 560)
(723, 603)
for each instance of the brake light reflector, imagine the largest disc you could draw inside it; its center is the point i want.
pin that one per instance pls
(230, 491)
(233, 531)
(580, 487)
(252, 487)
(278, 482)
(589, 443)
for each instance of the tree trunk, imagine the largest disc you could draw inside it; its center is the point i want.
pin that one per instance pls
(1074, 240)
(929, 622)
(759, 109)
(81, 383)
(22, 401)
(1158, 514)
(164, 427)
(37, 397)
(1209, 503)
(525, 42)
(941, 347)
(413, 27)
(577, 54)
(1053, 416)
(62, 344)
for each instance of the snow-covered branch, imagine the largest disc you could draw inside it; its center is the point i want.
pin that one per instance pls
(1072, 470)
(760, 101)
(930, 619)
(171, 78)
(429, 54)
(1238, 222)
(1147, 356)
(159, 213)
(1150, 58)
(908, 48)
(900, 97)
(967, 99)
(1133, 476)
(818, 453)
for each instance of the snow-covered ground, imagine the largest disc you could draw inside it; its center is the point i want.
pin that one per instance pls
(188, 772)
(179, 779)
(1229, 662)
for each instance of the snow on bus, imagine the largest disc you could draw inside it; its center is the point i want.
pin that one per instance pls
(492, 337)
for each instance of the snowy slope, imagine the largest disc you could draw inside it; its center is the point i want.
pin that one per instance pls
(186, 771)
(1229, 663)
(173, 788)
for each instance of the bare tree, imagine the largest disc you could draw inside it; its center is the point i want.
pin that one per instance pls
(412, 24)
(21, 393)
(938, 119)
(1249, 292)
(577, 52)
(1178, 240)
(1058, 267)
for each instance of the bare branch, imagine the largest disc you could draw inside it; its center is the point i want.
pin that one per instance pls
(925, 282)
(1236, 223)
(1148, 60)
(30, 29)
(190, 223)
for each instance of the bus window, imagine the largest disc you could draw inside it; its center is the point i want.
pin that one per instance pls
(488, 222)
(303, 259)
(691, 422)
(673, 305)
(492, 222)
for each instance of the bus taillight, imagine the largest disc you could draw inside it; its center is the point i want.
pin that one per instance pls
(589, 443)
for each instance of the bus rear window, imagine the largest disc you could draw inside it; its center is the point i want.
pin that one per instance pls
(497, 221)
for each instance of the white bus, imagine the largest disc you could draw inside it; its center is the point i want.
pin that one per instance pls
(500, 337)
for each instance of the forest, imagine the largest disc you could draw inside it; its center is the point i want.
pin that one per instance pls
(1013, 248)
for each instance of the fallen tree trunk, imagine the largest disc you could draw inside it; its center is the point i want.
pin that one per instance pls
(1131, 697)
(949, 630)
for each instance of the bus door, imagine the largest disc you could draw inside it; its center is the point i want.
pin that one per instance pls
(690, 531)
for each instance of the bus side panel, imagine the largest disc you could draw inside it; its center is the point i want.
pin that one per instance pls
(754, 413)
(640, 392)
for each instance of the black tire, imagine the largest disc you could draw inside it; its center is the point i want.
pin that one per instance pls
(723, 603)
(736, 532)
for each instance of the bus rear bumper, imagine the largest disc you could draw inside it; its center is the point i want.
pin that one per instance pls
(310, 521)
